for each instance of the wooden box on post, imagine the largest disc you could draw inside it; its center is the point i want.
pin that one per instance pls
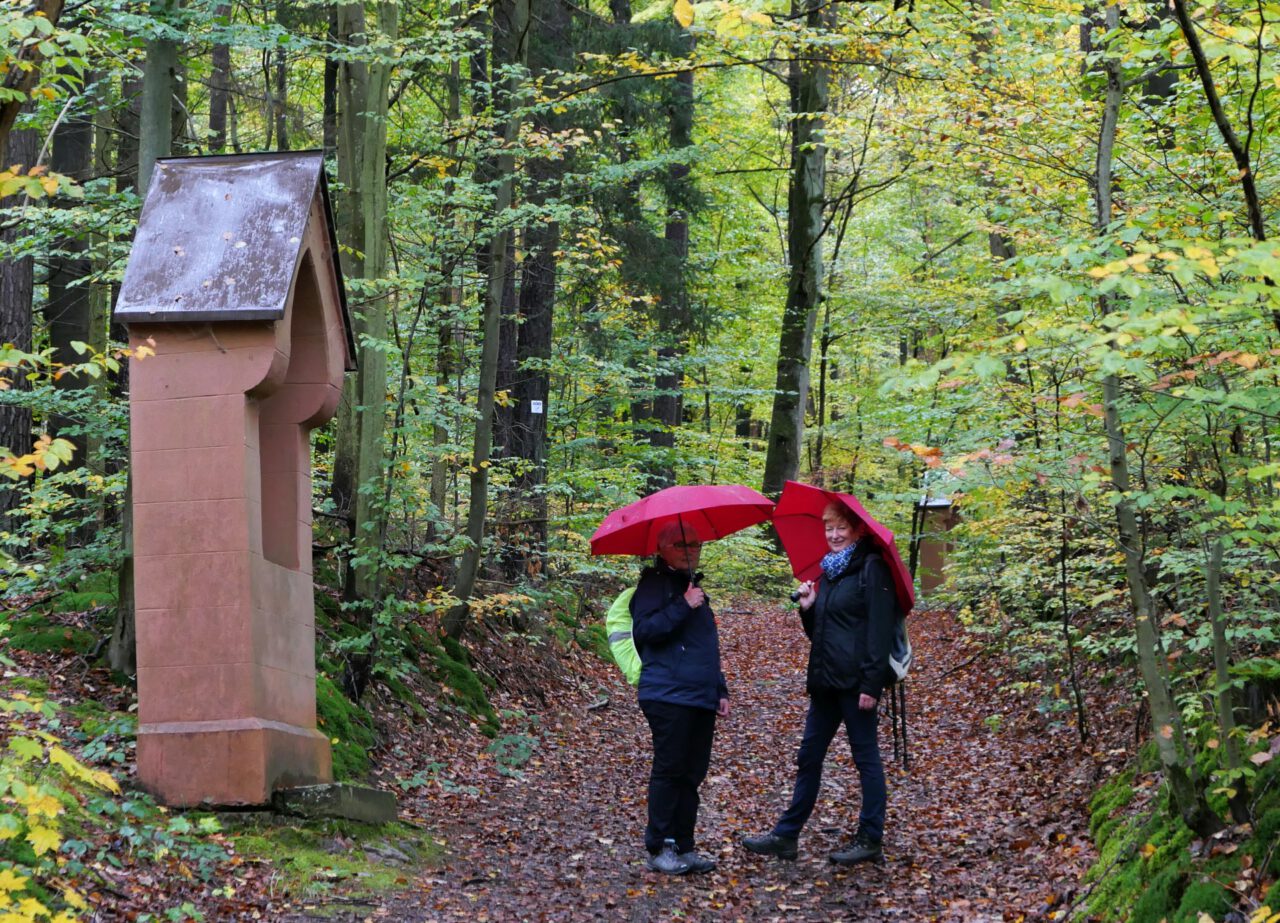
(234, 281)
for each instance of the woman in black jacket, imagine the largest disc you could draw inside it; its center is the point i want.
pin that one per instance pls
(849, 618)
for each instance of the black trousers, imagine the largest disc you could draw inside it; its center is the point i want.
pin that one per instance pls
(682, 738)
(828, 709)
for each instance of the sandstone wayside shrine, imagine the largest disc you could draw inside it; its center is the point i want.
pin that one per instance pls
(234, 281)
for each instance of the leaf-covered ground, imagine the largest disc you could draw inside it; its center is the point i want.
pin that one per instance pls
(989, 823)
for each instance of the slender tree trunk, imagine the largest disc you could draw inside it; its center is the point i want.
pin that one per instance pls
(451, 295)
(364, 88)
(362, 145)
(1239, 149)
(1239, 797)
(155, 133)
(68, 310)
(219, 85)
(17, 288)
(155, 139)
(280, 98)
(511, 25)
(508, 344)
(804, 252)
(329, 118)
(1170, 737)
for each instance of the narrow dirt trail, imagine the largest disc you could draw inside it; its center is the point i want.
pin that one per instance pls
(988, 824)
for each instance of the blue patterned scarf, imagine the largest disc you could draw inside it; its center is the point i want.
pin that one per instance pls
(834, 562)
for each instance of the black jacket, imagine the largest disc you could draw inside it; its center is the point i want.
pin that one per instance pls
(679, 646)
(850, 627)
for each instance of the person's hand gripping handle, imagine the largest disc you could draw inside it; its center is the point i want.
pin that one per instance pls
(804, 594)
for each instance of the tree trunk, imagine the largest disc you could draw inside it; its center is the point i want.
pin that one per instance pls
(280, 97)
(155, 132)
(362, 149)
(1170, 737)
(674, 320)
(1239, 787)
(451, 295)
(329, 117)
(67, 311)
(511, 25)
(17, 287)
(219, 85)
(804, 251)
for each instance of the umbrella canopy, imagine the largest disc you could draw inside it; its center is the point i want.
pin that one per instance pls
(709, 511)
(798, 519)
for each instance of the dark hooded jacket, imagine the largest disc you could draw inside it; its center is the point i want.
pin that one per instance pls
(679, 646)
(850, 625)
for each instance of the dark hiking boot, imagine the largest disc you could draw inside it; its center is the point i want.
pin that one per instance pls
(668, 861)
(697, 864)
(784, 847)
(862, 849)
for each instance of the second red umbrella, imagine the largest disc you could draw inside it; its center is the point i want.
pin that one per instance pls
(798, 519)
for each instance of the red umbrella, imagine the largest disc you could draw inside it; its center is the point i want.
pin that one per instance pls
(798, 519)
(709, 511)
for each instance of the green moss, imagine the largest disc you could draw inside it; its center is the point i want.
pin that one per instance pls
(1203, 896)
(1160, 898)
(348, 727)
(1262, 845)
(1107, 800)
(465, 689)
(1148, 758)
(94, 590)
(28, 684)
(35, 633)
(321, 858)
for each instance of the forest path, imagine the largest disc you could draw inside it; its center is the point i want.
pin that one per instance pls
(989, 823)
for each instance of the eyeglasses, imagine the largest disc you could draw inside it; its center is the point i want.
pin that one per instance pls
(685, 546)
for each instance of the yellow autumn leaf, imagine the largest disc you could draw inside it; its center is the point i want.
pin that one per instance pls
(10, 881)
(683, 11)
(1148, 850)
(1197, 253)
(43, 839)
(1246, 360)
(31, 909)
(39, 804)
(104, 780)
(75, 899)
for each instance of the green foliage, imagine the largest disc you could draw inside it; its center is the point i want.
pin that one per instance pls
(62, 819)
